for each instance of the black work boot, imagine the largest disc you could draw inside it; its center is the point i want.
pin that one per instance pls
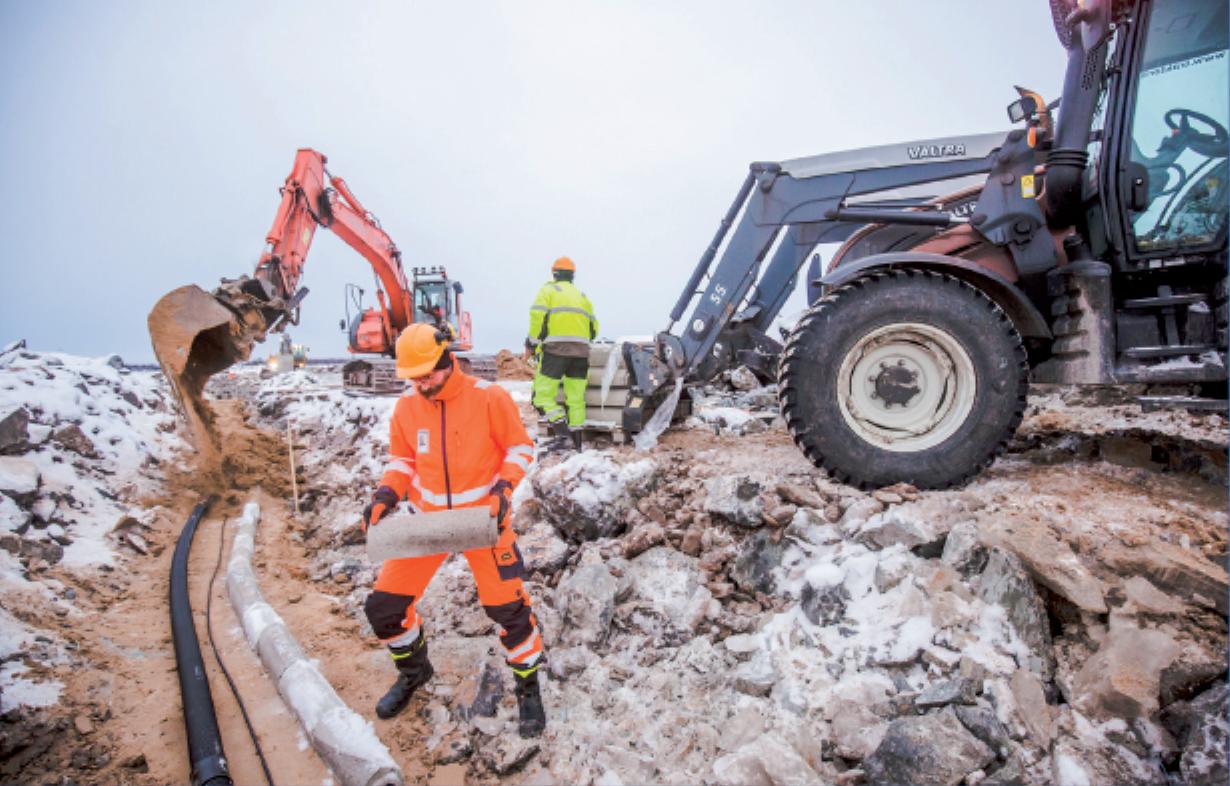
(529, 705)
(413, 670)
(561, 437)
(576, 441)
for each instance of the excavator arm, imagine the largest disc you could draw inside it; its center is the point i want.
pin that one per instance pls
(311, 197)
(196, 334)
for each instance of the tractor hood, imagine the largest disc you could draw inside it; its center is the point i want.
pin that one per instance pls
(922, 151)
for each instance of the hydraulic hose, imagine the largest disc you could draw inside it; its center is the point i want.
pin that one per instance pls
(208, 762)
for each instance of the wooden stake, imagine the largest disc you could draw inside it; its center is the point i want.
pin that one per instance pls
(294, 484)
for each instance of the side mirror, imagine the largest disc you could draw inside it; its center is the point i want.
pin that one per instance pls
(457, 287)
(1023, 108)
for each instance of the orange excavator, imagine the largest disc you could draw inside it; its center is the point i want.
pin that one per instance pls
(196, 334)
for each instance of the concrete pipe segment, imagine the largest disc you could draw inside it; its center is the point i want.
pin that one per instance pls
(346, 741)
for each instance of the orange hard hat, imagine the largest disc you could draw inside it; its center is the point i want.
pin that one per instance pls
(564, 263)
(419, 348)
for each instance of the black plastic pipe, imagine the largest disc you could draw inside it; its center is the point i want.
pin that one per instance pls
(205, 753)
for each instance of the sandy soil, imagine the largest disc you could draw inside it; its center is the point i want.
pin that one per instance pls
(120, 718)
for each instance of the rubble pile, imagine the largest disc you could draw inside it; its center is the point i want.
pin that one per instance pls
(716, 611)
(78, 439)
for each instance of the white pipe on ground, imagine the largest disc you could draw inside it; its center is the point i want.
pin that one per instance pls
(346, 741)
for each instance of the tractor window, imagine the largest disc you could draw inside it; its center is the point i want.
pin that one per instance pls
(1179, 140)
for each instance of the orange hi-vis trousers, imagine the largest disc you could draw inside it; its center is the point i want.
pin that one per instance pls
(498, 574)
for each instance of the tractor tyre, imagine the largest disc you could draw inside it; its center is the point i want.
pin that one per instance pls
(905, 375)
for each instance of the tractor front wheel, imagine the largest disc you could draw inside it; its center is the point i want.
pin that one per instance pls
(907, 375)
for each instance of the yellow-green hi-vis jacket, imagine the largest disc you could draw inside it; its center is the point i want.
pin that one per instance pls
(562, 316)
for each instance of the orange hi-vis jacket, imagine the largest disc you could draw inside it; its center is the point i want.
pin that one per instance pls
(447, 451)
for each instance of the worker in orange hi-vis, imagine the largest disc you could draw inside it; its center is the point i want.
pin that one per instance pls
(454, 442)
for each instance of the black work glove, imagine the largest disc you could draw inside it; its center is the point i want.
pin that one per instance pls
(384, 500)
(501, 502)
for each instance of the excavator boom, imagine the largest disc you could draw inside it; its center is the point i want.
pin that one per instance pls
(196, 334)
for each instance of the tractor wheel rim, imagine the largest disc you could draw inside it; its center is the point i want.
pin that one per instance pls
(906, 387)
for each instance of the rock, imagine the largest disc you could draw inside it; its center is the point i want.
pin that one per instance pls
(1011, 773)
(507, 753)
(753, 568)
(741, 768)
(14, 431)
(586, 496)
(667, 581)
(1122, 679)
(926, 750)
(1173, 569)
(983, 724)
(452, 748)
(642, 538)
(57, 533)
(742, 378)
(756, 677)
(888, 497)
(564, 663)
(963, 550)
(1083, 754)
(769, 760)
(693, 541)
(1005, 582)
(854, 729)
(83, 725)
(1144, 598)
(1032, 711)
(939, 694)
(586, 602)
(858, 513)
(12, 517)
(912, 525)
(780, 515)
(19, 479)
(824, 605)
(136, 763)
(1206, 739)
(799, 495)
(1201, 661)
(892, 568)
(1052, 563)
(72, 438)
(479, 696)
(736, 498)
(542, 549)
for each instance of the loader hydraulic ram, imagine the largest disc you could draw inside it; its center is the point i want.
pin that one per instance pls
(969, 263)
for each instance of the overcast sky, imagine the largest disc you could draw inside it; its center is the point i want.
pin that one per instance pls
(143, 143)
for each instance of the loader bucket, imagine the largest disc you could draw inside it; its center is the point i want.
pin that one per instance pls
(195, 336)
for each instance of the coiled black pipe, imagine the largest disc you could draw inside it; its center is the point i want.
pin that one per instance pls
(204, 741)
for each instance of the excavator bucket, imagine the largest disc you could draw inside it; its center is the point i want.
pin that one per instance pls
(196, 334)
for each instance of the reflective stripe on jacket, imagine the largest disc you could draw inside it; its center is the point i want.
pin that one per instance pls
(447, 451)
(561, 312)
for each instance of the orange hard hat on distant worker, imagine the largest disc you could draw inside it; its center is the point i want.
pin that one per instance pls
(419, 348)
(564, 263)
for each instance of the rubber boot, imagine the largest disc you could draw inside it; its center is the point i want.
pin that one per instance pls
(413, 670)
(529, 705)
(561, 437)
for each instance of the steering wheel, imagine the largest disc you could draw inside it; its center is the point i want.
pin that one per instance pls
(1211, 145)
